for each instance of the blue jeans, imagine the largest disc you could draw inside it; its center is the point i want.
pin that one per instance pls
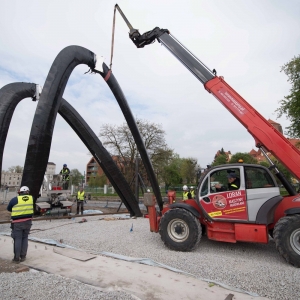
(20, 232)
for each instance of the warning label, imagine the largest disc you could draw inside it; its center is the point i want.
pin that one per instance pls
(215, 214)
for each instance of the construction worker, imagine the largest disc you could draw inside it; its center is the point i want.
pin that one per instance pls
(21, 208)
(192, 191)
(186, 193)
(65, 172)
(80, 199)
(233, 181)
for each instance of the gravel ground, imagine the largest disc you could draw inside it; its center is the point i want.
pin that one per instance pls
(43, 286)
(255, 268)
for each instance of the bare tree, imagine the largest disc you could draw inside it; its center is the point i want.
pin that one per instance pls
(120, 142)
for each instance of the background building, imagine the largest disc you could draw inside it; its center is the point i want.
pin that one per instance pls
(11, 179)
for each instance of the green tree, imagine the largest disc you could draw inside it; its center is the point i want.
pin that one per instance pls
(92, 182)
(290, 105)
(98, 181)
(188, 169)
(76, 177)
(15, 169)
(219, 160)
(246, 157)
(280, 167)
(171, 172)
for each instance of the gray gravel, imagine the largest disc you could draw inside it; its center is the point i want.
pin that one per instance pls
(255, 268)
(43, 286)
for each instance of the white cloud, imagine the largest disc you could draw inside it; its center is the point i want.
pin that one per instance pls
(247, 42)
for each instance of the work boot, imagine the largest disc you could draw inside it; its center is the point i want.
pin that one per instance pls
(16, 261)
(23, 259)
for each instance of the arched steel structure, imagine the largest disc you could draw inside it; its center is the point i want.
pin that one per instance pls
(120, 97)
(51, 101)
(12, 94)
(102, 156)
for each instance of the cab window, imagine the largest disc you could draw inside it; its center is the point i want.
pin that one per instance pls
(219, 179)
(258, 178)
(204, 188)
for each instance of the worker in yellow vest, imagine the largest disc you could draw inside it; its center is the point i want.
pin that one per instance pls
(80, 199)
(192, 191)
(21, 208)
(65, 172)
(186, 193)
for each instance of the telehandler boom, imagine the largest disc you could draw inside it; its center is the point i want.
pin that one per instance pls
(252, 211)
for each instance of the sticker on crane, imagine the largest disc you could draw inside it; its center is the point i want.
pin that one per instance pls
(227, 205)
(297, 199)
(234, 103)
(215, 214)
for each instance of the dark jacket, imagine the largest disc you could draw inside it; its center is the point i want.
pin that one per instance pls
(235, 185)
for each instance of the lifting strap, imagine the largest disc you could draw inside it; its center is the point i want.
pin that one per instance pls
(112, 39)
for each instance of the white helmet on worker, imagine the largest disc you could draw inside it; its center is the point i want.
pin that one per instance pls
(185, 188)
(192, 187)
(24, 189)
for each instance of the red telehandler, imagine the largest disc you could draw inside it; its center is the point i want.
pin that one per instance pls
(255, 209)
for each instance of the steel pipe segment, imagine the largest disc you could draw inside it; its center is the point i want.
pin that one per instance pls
(120, 97)
(12, 94)
(40, 138)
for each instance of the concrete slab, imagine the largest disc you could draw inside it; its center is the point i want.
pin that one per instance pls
(72, 253)
(145, 282)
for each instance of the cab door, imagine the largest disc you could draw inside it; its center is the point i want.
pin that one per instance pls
(217, 199)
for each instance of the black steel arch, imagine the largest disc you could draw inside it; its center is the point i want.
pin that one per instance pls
(40, 138)
(43, 124)
(120, 97)
(51, 99)
(92, 142)
(12, 94)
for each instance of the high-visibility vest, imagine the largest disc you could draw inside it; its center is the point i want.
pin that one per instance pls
(24, 206)
(234, 186)
(185, 195)
(80, 196)
(193, 193)
(65, 174)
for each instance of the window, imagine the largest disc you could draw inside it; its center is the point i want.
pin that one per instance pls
(219, 179)
(258, 178)
(204, 188)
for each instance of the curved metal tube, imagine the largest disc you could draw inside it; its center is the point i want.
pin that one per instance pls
(12, 94)
(43, 123)
(92, 142)
(118, 93)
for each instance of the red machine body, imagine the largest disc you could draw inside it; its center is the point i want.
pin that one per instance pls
(256, 209)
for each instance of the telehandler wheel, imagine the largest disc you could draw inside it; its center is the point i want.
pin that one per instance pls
(180, 230)
(287, 239)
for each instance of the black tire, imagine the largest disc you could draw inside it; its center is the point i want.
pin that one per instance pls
(287, 239)
(271, 233)
(180, 230)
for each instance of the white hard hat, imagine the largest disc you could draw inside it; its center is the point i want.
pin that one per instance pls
(148, 191)
(192, 187)
(185, 187)
(24, 189)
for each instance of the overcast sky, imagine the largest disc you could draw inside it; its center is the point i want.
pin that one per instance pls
(247, 42)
